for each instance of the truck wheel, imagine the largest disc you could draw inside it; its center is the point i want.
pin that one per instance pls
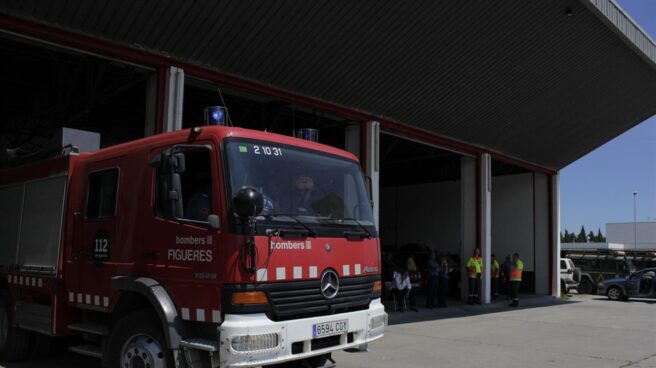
(14, 341)
(318, 361)
(137, 341)
(615, 293)
(585, 287)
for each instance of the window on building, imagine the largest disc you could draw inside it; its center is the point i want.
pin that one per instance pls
(101, 199)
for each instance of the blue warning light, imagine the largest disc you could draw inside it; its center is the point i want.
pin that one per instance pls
(215, 115)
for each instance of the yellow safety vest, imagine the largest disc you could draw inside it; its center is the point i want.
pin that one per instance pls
(516, 271)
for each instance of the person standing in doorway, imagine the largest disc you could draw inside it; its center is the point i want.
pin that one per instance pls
(474, 268)
(515, 279)
(432, 270)
(505, 270)
(494, 273)
(443, 282)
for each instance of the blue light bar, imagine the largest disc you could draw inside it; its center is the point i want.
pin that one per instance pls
(215, 115)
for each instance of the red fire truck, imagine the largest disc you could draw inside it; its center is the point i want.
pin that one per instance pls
(206, 247)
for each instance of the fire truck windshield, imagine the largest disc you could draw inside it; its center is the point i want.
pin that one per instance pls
(302, 188)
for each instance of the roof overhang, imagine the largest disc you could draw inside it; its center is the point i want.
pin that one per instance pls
(544, 82)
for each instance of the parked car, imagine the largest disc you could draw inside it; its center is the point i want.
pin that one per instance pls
(569, 275)
(639, 284)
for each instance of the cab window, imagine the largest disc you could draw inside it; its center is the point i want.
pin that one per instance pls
(101, 196)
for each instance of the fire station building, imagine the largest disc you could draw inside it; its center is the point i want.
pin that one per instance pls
(462, 113)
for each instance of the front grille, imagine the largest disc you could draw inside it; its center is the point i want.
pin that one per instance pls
(324, 343)
(304, 298)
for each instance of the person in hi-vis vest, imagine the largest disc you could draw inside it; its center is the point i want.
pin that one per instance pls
(515, 278)
(474, 268)
(494, 277)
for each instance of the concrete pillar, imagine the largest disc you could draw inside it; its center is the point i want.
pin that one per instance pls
(173, 98)
(468, 216)
(555, 235)
(485, 223)
(372, 156)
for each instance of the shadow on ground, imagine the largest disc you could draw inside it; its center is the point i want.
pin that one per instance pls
(457, 309)
(631, 300)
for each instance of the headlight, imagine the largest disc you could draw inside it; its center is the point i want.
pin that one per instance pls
(255, 343)
(378, 322)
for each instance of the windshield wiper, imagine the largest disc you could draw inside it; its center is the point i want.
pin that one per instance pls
(309, 230)
(350, 234)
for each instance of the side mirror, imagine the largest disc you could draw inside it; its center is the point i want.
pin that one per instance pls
(213, 221)
(247, 202)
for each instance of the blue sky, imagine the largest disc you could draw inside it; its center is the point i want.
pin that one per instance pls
(598, 188)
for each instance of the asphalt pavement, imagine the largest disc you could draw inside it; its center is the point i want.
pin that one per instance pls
(576, 331)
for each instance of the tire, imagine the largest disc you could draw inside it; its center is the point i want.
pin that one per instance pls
(586, 287)
(317, 361)
(615, 293)
(14, 341)
(137, 340)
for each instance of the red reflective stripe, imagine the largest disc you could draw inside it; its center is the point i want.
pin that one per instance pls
(516, 274)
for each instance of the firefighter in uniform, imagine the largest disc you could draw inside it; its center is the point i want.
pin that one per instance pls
(515, 278)
(494, 273)
(474, 268)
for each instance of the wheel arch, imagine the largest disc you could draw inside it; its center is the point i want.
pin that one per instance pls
(151, 291)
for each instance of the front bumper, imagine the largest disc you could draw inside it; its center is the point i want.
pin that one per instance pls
(295, 336)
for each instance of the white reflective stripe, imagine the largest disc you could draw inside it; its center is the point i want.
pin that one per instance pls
(96, 300)
(358, 269)
(313, 271)
(71, 296)
(200, 315)
(298, 272)
(88, 299)
(216, 316)
(27, 281)
(40, 282)
(21, 281)
(34, 282)
(346, 270)
(262, 274)
(185, 314)
(280, 273)
(106, 302)
(79, 298)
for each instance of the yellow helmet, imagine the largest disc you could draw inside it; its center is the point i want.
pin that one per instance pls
(304, 182)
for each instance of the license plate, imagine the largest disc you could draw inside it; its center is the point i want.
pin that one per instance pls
(329, 328)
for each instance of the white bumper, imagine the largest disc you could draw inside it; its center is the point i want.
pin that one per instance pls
(297, 331)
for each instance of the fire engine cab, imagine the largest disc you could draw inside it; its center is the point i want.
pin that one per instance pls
(206, 247)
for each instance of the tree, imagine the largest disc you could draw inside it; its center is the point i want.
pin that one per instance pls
(591, 236)
(600, 237)
(581, 238)
(564, 238)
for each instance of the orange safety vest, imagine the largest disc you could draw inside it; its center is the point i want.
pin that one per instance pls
(495, 269)
(474, 266)
(516, 271)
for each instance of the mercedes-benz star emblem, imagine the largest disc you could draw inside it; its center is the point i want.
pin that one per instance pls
(328, 247)
(329, 284)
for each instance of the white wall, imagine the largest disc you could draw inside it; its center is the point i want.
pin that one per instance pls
(423, 213)
(512, 217)
(625, 233)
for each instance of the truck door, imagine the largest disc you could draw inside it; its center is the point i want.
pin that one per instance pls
(184, 197)
(96, 236)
